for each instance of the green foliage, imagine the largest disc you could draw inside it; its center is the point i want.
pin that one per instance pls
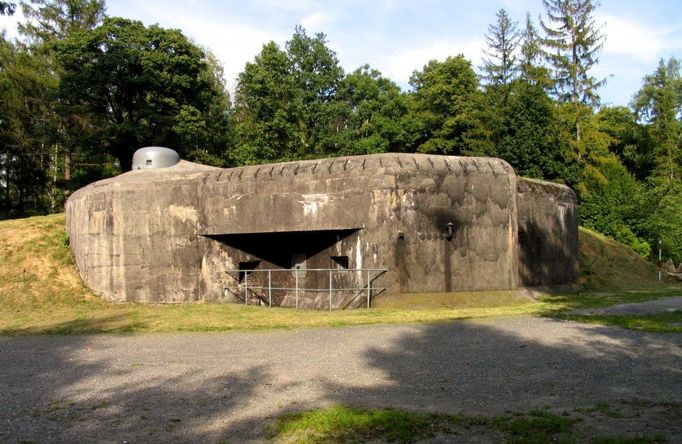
(371, 113)
(612, 204)
(446, 109)
(48, 21)
(138, 86)
(664, 221)
(264, 114)
(659, 104)
(572, 40)
(26, 134)
(286, 102)
(530, 62)
(528, 135)
(500, 65)
(628, 139)
(571, 43)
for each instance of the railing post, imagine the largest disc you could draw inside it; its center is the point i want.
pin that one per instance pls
(330, 290)
(296, 275)
(246, 288)
(369, 283)
(270, 287)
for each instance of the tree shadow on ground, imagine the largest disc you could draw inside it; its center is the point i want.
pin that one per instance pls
(491, 368)
(212, 387)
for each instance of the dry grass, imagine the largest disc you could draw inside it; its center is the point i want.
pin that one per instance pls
(41, 293)
(607, 265)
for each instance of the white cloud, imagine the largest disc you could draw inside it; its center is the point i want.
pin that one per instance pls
(400, 66)
(317, 21)
(8, 23)
(634, 39)
(234, 43)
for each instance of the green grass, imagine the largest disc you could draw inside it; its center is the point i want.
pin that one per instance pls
(41, 293)
(347, 424)
(668, 322)
(340, 424)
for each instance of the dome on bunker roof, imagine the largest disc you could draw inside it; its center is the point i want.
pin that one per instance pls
(154, 157)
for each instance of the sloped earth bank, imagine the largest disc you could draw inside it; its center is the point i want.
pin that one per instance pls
(229, 386)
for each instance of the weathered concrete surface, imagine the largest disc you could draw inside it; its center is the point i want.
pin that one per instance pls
(548, 234)
(435, 223)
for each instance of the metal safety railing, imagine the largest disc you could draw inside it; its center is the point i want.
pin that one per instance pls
(365, 287)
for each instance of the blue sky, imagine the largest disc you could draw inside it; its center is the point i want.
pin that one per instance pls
(398, 36)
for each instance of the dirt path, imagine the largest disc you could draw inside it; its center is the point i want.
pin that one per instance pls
(212, 387)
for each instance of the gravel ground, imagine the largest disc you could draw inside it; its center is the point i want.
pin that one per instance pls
(228, 386)
(637, 308)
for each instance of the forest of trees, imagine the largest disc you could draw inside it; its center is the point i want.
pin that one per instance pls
(80, 91)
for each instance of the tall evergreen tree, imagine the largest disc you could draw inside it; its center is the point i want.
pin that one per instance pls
(53, 20)
(531, 65)
(659, 104)
(25, 154)
(501, 65)
(571, 43)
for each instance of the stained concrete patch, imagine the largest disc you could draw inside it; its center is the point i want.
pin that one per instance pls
(637, 308)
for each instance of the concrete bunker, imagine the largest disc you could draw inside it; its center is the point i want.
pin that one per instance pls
(288, 233)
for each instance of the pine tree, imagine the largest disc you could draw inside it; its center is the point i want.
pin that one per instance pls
(502, 39)
(571, 43)
(47, 23)
(530, 62)
(53, 20)
(659, 103)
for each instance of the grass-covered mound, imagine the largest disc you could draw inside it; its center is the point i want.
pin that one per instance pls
(41, 292)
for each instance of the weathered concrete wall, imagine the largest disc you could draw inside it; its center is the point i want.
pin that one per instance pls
(548, 234)
(170, 235)
(135, 236)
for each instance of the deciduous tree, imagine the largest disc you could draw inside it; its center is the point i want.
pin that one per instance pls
(138, 86)
(446, 107)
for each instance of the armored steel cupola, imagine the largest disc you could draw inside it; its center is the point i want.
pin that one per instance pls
(154, 157)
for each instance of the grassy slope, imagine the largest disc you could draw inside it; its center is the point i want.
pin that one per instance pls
(41, 292)
(608, 265)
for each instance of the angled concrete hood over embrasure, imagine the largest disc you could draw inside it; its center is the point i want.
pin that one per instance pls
(436, 223)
